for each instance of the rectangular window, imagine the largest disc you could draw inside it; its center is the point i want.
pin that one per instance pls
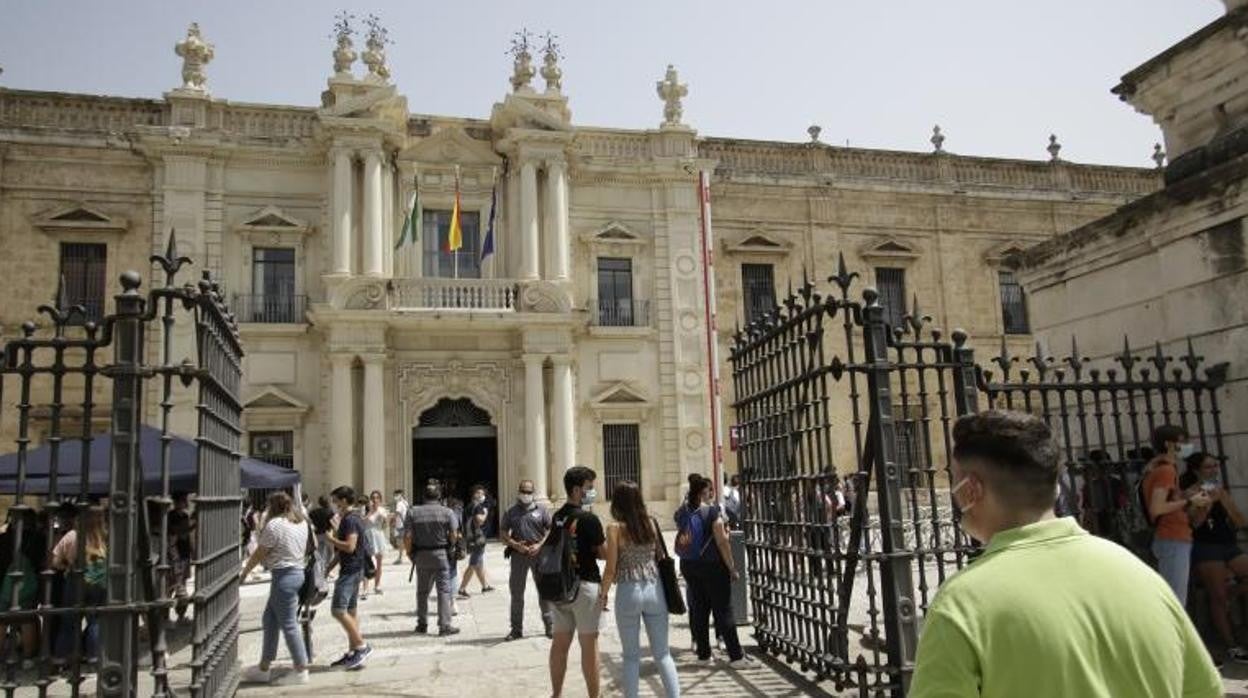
(276, 447)
(615, 292)
(758, 286)
(621, 454)
(891, 283)
(83, 269)
(439, 261)
(1013, 304)
(272, 287)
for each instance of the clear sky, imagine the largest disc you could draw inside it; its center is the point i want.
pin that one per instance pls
(997, 75)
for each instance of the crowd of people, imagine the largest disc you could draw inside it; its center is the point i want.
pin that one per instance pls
(580, 567)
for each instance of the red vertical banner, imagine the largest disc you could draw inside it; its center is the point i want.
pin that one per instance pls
(712, 339)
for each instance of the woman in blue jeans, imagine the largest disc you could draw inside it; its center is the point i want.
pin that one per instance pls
(632, 547)
(283, 548)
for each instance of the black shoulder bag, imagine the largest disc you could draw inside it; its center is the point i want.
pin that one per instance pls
(667, 573)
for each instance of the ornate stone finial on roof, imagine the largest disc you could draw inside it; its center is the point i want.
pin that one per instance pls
(938, 140)
(344, 53)
(814, 130)
(551, 72)
(374, 55)
(522, 65)
(1159, 156)
(195, 54)
(1054, 148)
(671, 91)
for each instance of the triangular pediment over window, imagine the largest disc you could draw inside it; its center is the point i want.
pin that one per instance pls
(758, 242)
(79, 216)
(272, 399)
(452, 145)
(1000, 253)
(614, 233)
(889, 248)
(620, 395)
(273, 219)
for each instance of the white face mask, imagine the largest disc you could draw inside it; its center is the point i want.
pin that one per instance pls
(525, 499)
(1186, 450)
(589, 497)
(479, 498)
(965, 479)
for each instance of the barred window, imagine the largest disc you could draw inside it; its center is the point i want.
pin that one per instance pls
(1013, 304)
(276, 447)
(84, 274)
(621, 454)
(758, 286)
(891, 283)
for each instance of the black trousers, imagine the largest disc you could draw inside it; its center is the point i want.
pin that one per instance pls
(710, 589)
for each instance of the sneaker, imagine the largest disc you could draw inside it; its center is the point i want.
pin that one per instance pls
(295, 677)
(254, 674)
(514, 635)
(486, 590)
(741, 662)
(422, 629)
(463, 594)
(378, 592)
(364, 596)
(344, 659)
(448, 631)
(1237, 654)
(359, 657)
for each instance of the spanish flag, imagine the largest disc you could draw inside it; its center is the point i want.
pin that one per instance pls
(455, 237)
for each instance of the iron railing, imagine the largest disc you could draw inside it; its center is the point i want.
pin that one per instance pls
(122, 567)
(823, 379)
(269, 308)
(625, 312)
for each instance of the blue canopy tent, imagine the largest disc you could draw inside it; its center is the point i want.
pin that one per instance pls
(183, 467)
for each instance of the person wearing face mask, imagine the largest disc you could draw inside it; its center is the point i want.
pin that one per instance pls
(1216, 555)
(524, 528)
(474, 541)
(1168, 507)
(707, 565)
(1047, 610)
(580, 616)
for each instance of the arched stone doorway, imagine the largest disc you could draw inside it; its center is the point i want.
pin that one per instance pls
(455, 442)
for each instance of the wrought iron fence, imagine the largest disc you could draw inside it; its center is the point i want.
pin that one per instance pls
(86, 607)
(821, 379)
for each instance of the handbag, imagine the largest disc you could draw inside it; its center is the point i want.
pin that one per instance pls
(667, 574)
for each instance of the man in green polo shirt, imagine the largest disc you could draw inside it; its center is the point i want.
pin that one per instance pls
(1047, 610)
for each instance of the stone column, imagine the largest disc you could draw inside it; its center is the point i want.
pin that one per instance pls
(557, 218)
(388, 227)
(374, 257)
(342, 214)
(374, 423)
(530, 247)
(341, 469)
(535, 425)
(562, 423)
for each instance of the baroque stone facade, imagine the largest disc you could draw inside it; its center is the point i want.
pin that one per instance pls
(582, 336)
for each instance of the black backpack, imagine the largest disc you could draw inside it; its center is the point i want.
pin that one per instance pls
(557, 581)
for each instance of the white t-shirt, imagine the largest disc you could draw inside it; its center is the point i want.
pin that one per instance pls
(286, 543)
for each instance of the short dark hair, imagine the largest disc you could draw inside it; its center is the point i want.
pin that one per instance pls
(398, 492)
(577, 476)
(735, 480)
(1166, 433)
(1020, 454)
(343, 492)
(433, 491)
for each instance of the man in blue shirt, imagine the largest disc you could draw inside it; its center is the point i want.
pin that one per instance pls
(349, 543)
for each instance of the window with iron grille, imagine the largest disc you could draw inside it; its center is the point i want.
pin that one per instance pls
(85, 276)
(276, 447)
(621, 454)
(272, 285)
(891, 283)
(615, 292)
(758, 286)
(439, 260)
(1013, 304)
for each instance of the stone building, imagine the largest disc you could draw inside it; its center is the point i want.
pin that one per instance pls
(377, 360)
(1170, 266)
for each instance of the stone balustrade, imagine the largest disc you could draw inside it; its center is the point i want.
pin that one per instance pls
(456, 294)
(78, 112)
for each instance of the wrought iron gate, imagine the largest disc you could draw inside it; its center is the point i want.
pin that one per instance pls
(823, 379)
(117, 582)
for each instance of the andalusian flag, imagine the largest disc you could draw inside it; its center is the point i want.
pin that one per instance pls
(455, 237)
(410, 232)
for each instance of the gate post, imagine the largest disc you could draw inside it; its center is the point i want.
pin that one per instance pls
(119, 629)
(901, 628)
(965, 390)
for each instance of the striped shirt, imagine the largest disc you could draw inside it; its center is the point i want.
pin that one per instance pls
(285, 543)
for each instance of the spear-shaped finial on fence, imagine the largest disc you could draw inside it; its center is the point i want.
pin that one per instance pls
(1159, 359)
(1191, 360)
(1075, 361)
(1004, 360)
(843, 277)
(1040, 361)
(1126, 359)
(170, 262)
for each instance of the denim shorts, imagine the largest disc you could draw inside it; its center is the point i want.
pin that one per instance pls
(347, 592)
(476, 556)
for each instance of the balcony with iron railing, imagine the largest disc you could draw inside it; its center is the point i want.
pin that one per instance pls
(457, 294)
(269, 308)
(623, 312)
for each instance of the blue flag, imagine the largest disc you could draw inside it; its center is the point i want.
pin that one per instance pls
(487, 246)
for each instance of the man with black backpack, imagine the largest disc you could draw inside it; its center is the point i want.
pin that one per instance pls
(353, 556)
(568, 578)
(430, 529)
